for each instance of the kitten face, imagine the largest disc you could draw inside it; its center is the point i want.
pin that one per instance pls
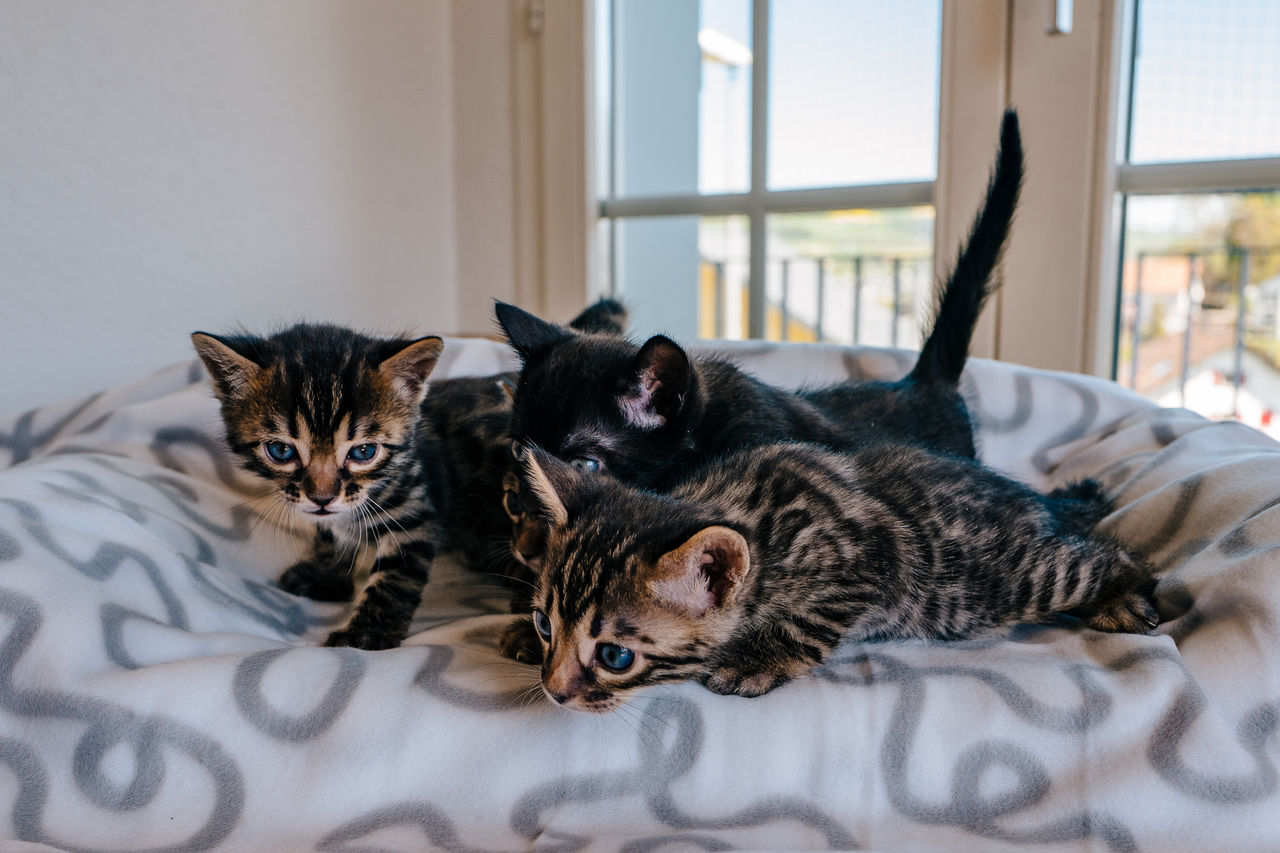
(632, 589)
(595, 659)
(321, 413)
(325, 473)
(630, 405)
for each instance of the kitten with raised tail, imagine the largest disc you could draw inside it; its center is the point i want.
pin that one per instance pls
(341, 427)
(650, 413)
(750, 573)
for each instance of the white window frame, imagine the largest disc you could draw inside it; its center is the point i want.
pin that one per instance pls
(1251, 174)
(759, 201)
(1057, 305)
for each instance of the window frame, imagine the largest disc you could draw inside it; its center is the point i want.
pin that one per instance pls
(1058, 302)
(1178, 177)
(758, 202)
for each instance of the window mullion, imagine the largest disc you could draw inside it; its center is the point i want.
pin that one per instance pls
(759, 167)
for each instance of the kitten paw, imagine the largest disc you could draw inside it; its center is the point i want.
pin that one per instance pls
(316, 582)
(1128, 613)
(733, 682)
(356, 638)
(519, 641)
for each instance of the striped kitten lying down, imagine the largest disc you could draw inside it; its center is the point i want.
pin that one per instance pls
(750, 574)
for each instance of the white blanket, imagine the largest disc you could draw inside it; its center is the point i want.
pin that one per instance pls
(157, 692)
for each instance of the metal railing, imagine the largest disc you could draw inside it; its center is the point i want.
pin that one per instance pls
(1214, 280)
(805, 284)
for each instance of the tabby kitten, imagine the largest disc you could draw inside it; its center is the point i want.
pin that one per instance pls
(649, 414)
(750, 574)
(330, 417)
(337, 422)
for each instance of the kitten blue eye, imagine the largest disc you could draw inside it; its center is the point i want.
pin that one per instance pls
(613, 657)
(585, 464)
(281, 451)
(362, 452)
(542, 623)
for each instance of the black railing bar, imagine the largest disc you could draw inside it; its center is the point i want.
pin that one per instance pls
(883, 259)
(1186, 332)
(1240, 312)
(857, 298)
(1204, 251)
(897, 302)
(786, 298)
(719, 298)
(1136, 333)
(822, 286)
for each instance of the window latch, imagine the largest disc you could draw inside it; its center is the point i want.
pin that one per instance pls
(1058, 17)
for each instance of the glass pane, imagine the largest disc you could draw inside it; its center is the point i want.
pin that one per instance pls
(1199, 304)
(853, 91)
(849, 276)
(724, 101)
(1206, 80)
(685, 276)
(682, 96)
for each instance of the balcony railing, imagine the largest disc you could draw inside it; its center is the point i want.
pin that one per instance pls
(843, 298)
(1201, 329)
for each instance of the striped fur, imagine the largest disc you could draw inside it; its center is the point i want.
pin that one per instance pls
(748, 575)
(329, 394)
(434, 484)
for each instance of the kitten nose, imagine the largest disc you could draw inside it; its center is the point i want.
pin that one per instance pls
(560, 698)
(322, 500)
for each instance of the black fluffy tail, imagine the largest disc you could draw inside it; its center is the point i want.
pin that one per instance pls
(944, 352)
(607, 316)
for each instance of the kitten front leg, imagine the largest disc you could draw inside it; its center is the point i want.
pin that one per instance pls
(387, 604)
(319, 577)
(734, 680)
(754, 667)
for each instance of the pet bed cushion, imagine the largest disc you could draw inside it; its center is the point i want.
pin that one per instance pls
(157, 692)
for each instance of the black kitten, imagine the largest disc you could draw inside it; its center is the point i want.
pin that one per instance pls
(471, 417)
(649, 414)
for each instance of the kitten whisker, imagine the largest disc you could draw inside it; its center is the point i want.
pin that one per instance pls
(254, 499)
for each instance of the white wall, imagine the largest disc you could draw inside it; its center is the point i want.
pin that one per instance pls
(170, 166)
(484, 161)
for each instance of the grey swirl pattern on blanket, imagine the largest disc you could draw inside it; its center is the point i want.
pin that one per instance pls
(157, 692)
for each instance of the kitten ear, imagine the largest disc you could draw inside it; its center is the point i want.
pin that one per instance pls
(705, 572)
(548, 483)
(232, 373)
(604, 317)
(663, 380)
(408, 369)
(527, 334)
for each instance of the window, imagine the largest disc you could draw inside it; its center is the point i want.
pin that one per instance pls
(768, 166)
(1197, 324)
